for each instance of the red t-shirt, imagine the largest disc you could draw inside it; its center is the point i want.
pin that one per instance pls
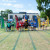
(16, 19)
(21, 23)
(17, 25)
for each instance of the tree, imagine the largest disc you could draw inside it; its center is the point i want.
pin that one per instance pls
(43, 5)
(8, 11)
(5, 13)
(19, 18)
(47, 12)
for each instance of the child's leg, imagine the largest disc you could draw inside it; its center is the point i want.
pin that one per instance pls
(18, 29)
(6, 29)
(43, 27)
(10, 29)
(46, 27)
(28, 27)
(22, 28)
(32, 28)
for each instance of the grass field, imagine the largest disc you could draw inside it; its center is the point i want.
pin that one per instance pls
(29, 40)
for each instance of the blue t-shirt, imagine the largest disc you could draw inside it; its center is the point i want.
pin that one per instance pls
(26, 17)
(35, 24)
(8, 24)
(31, 23)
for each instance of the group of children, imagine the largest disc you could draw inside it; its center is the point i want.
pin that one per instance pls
(30, 25)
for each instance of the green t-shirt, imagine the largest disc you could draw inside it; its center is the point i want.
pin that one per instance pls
(12, 23)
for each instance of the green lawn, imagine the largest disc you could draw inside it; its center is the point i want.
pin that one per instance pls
(29, 40)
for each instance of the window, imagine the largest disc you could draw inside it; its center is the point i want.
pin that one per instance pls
(11, 16)
(28, 16)
(23, 16)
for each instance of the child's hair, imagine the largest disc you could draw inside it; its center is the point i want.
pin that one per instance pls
(8, 22)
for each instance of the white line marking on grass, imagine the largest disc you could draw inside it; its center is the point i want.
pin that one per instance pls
(32, 41)
(17, 41)
(47, 32)
(5, 37)
(43, 37)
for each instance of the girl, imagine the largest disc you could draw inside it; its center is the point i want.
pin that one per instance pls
(17, 26)
(43, 24)
(46, 24)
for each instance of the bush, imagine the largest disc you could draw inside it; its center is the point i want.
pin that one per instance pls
(43, 15)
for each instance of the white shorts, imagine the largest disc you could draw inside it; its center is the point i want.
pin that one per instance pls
(31, 26)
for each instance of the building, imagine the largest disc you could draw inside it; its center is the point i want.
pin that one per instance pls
(21, 15)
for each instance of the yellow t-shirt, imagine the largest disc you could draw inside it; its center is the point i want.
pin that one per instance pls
(43, 23)
(46, 23)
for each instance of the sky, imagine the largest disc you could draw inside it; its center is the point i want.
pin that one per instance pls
(29, 6)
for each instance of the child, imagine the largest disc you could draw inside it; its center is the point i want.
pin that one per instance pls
(34, 25)
(46, 24)
(43, 24)
(9, 25)
(20, 24)
(12, 25)
(26, 24)
(31, 25)
(16, 18)
(17, 26)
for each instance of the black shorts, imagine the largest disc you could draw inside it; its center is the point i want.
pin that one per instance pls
(12, 25)
(29, 25)
(34, 26)
(43, 25)
(8, 27)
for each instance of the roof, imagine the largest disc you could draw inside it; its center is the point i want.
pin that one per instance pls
(23, 13)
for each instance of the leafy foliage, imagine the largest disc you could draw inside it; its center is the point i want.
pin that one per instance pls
(43, 15)
(43, 5)
(47, 12)
(5, 13)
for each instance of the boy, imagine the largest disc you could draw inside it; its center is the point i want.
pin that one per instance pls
(34, 25)
(26, 24)
(9, 25)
